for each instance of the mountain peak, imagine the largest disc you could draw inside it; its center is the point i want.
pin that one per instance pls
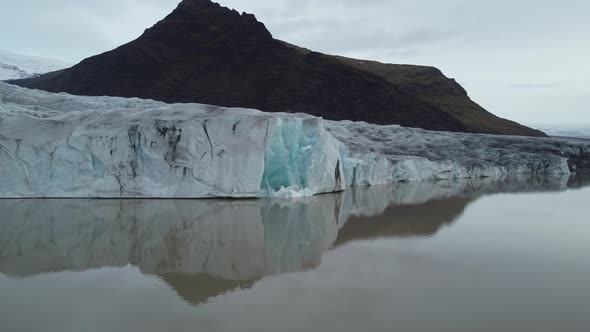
(206, 53)
(198, 19)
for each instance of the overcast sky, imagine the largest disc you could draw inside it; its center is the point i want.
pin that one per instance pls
(528, 60)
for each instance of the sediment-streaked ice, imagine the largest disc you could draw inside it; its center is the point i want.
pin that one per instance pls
(58, 145)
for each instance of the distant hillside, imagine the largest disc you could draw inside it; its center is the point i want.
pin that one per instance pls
(203, 52)
(567, 132)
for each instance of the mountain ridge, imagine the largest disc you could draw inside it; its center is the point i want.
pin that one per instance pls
(206, 53)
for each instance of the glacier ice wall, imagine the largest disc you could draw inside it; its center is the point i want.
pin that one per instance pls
(301, 155)
(383, 154)
(58, 145)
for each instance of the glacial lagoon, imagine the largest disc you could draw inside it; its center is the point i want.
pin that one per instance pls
(468, 255)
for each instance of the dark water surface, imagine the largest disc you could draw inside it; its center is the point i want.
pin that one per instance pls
(473, 255)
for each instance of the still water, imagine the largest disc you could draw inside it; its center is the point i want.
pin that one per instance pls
(473, 255)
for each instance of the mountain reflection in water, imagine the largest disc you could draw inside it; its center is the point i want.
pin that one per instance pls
(203, 248)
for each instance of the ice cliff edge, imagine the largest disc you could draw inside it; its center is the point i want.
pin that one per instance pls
(59, 145)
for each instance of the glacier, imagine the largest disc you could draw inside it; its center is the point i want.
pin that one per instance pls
(383, 154)
(59, 145)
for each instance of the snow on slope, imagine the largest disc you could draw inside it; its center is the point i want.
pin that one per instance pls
(17, 66)
(58, 145)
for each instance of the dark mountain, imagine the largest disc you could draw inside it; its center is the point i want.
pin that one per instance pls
(206, 53)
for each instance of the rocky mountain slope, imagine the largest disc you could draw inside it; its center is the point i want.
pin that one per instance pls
(203, 52)
(18, 66)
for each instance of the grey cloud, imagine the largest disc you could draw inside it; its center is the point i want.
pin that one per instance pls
(356, 35)
(534, 86)
(72, 29)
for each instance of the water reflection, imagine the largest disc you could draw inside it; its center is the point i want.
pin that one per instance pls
(199, 288)
(203, 248)
(423, 219)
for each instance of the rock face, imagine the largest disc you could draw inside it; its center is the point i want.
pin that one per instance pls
(209, 54)
(58, 145)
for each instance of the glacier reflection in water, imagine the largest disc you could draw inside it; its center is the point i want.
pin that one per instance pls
(203, 248)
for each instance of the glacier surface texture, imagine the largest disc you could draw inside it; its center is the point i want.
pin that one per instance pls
(58, 145)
